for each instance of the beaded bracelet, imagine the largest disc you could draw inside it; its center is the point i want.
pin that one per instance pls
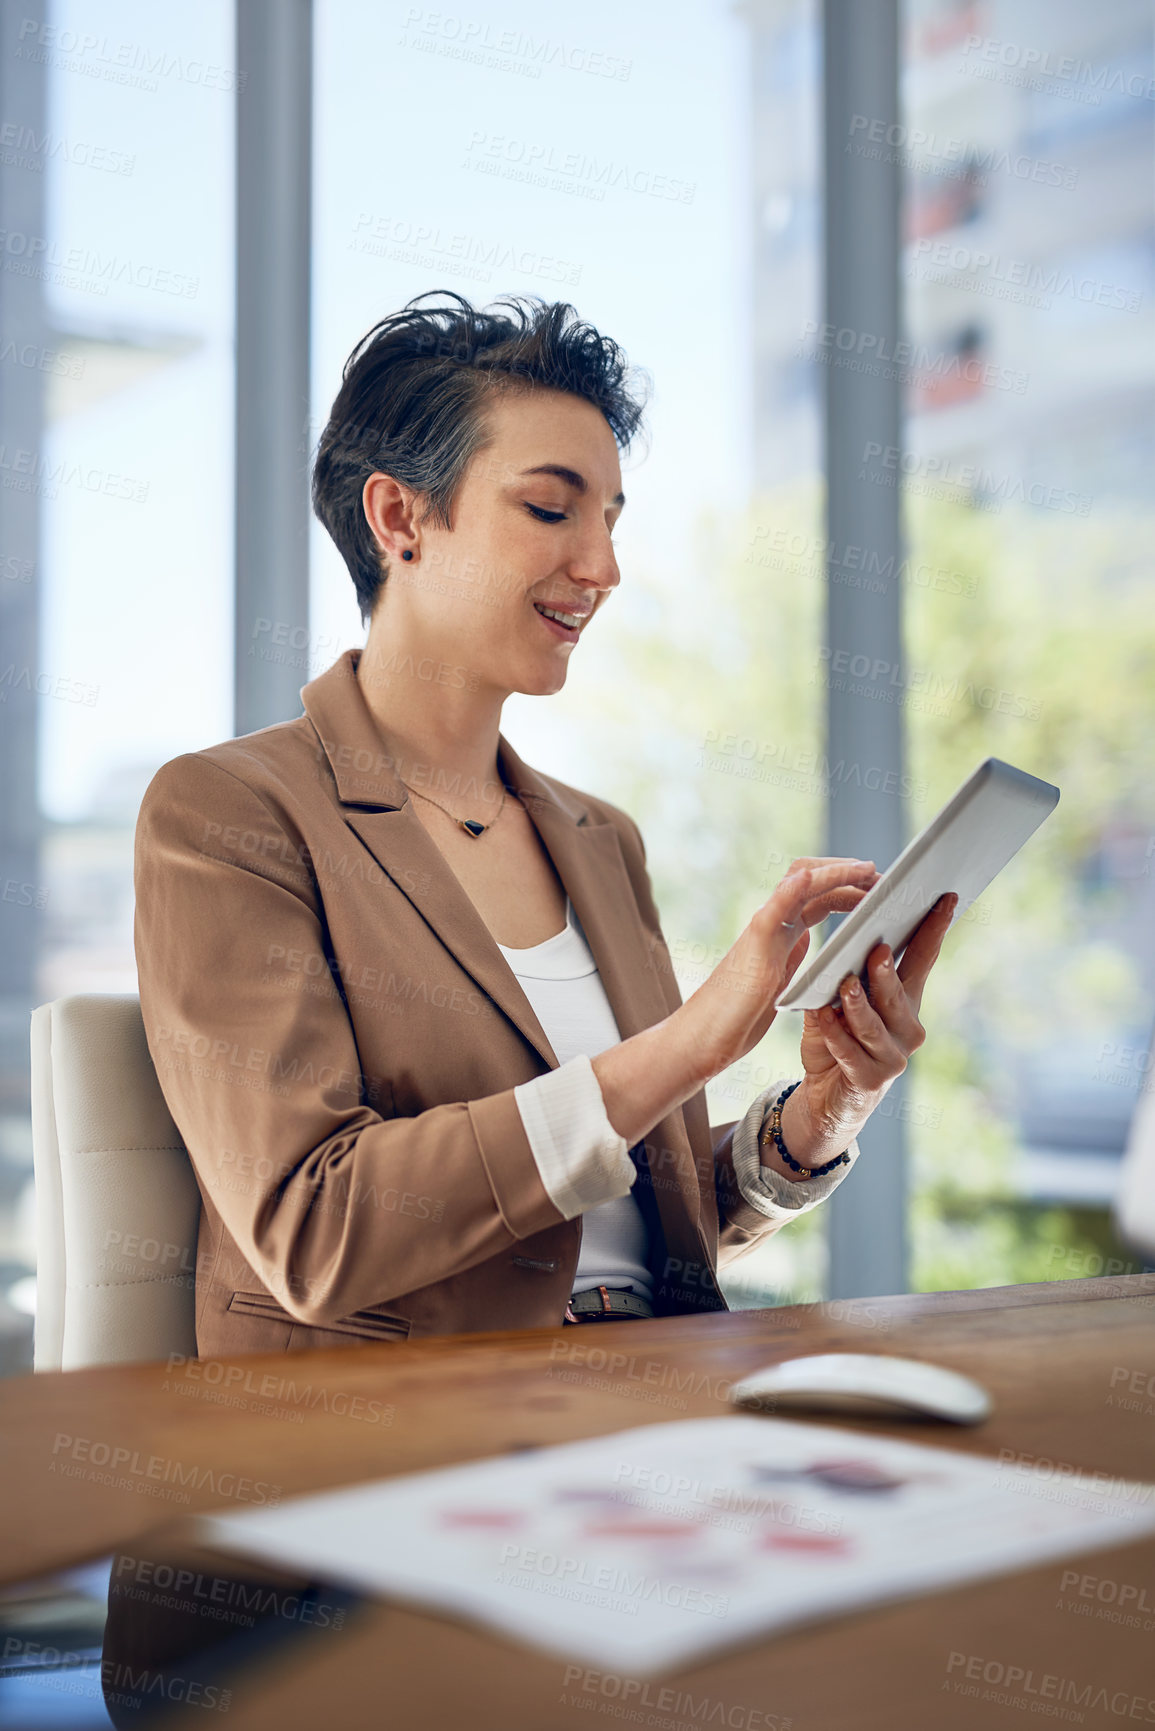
(772, 1132)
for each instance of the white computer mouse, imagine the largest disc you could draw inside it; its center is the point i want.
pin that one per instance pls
(859, 1382)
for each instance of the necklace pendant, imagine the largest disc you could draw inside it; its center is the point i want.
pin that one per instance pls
(471, 826)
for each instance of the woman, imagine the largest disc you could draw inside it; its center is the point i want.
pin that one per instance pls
(408, 998)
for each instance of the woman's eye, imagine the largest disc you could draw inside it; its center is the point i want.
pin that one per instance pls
(544, 516)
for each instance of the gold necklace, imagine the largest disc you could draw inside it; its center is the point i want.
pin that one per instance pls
(470, 825)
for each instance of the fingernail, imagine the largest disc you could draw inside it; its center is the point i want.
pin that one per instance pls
(853, 987)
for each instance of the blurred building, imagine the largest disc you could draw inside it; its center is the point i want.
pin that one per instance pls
(1029, 264)
(1032, 251)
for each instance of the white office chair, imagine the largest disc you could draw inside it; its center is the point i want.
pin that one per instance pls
(117, 1204)
(1135, 1200)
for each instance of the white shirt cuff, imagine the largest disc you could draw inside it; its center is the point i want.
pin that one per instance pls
(582, 1160)
(772, 1195)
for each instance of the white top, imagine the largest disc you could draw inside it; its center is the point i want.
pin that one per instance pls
(561, 980)
(584, 1164)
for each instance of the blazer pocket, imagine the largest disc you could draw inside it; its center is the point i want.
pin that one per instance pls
(366, 1324)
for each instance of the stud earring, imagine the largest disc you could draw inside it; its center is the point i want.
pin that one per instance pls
(408, 553)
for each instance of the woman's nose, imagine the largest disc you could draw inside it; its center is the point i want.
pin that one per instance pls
(596, 562)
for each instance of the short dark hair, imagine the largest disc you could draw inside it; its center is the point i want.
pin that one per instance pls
(412, 401)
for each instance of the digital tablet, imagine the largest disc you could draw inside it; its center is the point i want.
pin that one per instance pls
(983, 826)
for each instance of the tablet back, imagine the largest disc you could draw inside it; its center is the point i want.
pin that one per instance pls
(962, 849)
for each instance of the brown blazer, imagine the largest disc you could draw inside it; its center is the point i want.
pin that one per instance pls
(338, 1038)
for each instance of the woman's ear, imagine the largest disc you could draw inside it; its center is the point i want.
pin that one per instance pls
(390, 511)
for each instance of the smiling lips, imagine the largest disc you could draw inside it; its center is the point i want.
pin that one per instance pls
(563, 623)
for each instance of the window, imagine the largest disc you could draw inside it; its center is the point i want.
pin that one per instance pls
(132, 168)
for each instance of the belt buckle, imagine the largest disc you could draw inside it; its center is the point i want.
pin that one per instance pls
(609, 1312)
(607, 1309)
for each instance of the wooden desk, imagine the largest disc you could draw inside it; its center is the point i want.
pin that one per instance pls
(98, 1458)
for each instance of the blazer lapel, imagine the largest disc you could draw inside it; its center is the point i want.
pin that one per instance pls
(588, 859)
(403, 848)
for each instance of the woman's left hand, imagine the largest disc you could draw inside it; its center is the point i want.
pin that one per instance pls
(852, 1054)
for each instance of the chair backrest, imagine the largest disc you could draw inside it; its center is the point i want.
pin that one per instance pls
(117, 1204)
(1135, 1199)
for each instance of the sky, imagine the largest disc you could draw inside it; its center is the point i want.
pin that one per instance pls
(427, 127)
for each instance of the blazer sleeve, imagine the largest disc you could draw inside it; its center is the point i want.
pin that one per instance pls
(754, 1200)
(265, 1085)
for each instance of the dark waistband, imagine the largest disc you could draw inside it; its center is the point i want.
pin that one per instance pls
(608, 1304)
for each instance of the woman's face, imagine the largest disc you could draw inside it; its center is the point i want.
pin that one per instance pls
(532, 526)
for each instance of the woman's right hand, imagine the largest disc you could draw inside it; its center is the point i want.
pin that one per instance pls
(731, 1011)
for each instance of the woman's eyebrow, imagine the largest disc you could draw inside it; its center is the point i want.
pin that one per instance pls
(570, 477)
